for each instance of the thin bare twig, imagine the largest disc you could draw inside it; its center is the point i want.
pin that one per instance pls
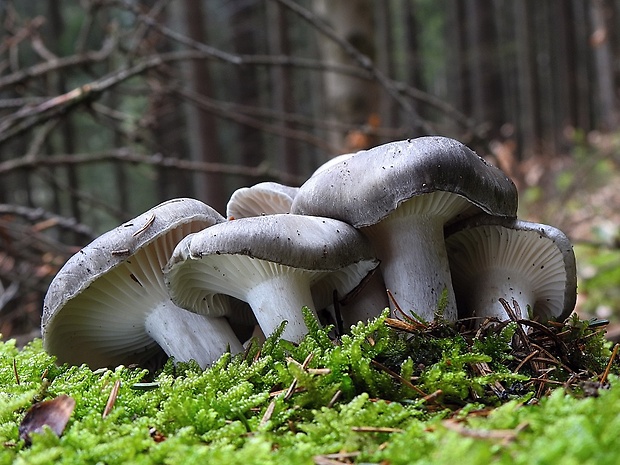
(180, 38)
(268, 413)
(504, 435)
(111, 399)
(125, 155)
(396, 376)
(221, 108)
(365, 62)
(376, 429)
(15, 373)
(146, 225)
(27, 117)
(39, 214)
(143, 28)
(58, 64)
(613, 356)
(8, 293)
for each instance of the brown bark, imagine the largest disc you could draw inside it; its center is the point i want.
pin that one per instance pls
(56, 24)
(604, 67)
(484, 71)
(529, 124)
(563, 71)
(282, 87)
(164, 116)
(384, 26)
(581, 96)
(349, 99)
(202, 133)
(457, 70)
(245, 38)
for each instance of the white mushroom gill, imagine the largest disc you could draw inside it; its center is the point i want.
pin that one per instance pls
(126, 313)
(322, 290)
(259, 204)
(492, 262)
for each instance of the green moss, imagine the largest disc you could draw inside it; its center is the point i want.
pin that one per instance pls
(361, 398)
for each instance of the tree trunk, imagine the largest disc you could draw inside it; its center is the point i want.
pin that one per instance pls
(603, 62)
(528, 127)
(66, 141)
(349, 100)
(166, 116)
(562, 56)
(246, 40)
(485, 79)
(457, 70)
(282, 97)
(385, 60)
(583, 71)
(202, 126)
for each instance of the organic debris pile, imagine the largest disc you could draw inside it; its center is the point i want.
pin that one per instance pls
(497, 360)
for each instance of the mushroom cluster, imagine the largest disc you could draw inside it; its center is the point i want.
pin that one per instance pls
(426, 219)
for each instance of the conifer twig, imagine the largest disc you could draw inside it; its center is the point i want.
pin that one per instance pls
(614, 353)
(15, 371)
(398, 377)
(111, 399)
(268, 413)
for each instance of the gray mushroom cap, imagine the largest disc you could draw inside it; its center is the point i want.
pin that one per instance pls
(108, 305)
(271, 262)
(530, 263)
(264, 198)
(366, 187)
(331, 162)
(401, 195)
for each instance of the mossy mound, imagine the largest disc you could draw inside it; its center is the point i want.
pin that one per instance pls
(392, 391)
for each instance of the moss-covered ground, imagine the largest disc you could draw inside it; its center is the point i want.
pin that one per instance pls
(391, 392)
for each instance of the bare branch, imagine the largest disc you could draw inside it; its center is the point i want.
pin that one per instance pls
(225, 110)
(57, 64)
(39, 214)
(29, 117)
(182, 39)
(361, 73)
(125, 155)
(262, 112)
(7, 294)
(417, 122)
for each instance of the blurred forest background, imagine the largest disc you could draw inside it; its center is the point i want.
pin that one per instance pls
(108, 107)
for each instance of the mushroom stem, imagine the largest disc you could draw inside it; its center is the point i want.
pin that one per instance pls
(493, 283)
(187, 335)
(280, 298)
(368, 303)
(414, 263)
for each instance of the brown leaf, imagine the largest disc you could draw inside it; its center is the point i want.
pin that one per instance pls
(54, 413)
